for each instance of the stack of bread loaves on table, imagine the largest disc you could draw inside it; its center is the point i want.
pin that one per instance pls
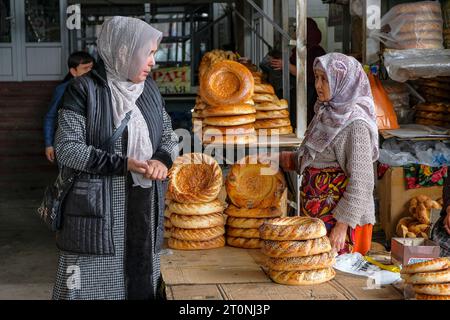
(433, 114)
(255, 196)
(196, 213)
(298, 251)
(224, 112)
(430, 279)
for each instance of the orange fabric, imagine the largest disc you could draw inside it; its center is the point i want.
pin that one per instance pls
(363, 239)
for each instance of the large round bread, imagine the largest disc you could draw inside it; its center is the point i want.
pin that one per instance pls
(301, 278)
(251, 184)
(427, 266)
(196, 208)
(264, 97)
(430, 277)
(232, 110)
(245, 129)
(275, 131)
(197, 234)
(431, 297)
(245, 243)
(167, 223)
(195, 178)
(196, 245)
(245, 223)
(231, 139)
(437, 289)
(264, 88)
(272, 123)
(271, 212)
(276, 114)
(243, 233)
(293, 228)
(167, 212)
(197, 222)
(318, 261)
(287, 249)
(230, 120)
(167, 233)
(226, 83)
(412, 26)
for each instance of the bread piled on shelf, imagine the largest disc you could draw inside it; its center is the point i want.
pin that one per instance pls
(272, 114)
(255, 196)
(430, 279)
(196, 213)
(417, 224)
(298, 251)
(433, 114)
(224, 112)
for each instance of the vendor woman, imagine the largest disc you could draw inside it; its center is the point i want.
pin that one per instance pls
(337, 155)
(441, 230)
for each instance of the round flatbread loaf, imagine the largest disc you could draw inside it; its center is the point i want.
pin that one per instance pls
(293, 228)
(299, 278)
(196, 245)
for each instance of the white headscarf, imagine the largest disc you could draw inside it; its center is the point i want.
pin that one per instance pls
(351, 100)
(124, 44)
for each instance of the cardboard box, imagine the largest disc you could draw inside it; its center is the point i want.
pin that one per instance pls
(405, 251)
(394, 198)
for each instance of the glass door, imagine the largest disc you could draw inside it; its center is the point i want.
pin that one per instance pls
(8, 48)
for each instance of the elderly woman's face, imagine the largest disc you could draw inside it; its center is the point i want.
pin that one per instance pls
(322, 86)
(146, 68)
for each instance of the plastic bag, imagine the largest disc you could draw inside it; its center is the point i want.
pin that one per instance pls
(396, 159)
(403, 65)
(415, 25)
(355, 263)
(386, 117)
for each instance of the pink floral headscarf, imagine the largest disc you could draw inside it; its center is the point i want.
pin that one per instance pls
(351, 100)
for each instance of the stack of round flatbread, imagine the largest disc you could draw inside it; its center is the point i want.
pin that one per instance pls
(298, 251)
(224, 112)
(272, 114)
(433, 114)
(195, 212)
(430, 279)
(257, 194)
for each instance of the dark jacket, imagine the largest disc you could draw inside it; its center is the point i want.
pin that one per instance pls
(89, 231)
(446, 195)
(50, 117)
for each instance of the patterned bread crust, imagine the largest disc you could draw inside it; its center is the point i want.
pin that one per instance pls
(196, 208)
(430, 277)
(427, 266)
(196, 245)
(167, 233)
(243, 233)
(197, 234)
(275, 131)
(293, 228)
(264, 88)
(197, 222)
(167, 213)
(275, 114)
(227, 121)
(272, 123)
(299, 278)
(245, 243)
(167, 223)
(244, 223)
(286, 249)
(437, 289)
(186, 195)
(431, 297)
(318, 261)
(271, 212)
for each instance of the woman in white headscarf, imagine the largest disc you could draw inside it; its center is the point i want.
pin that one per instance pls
(337, 155)
(112, 223)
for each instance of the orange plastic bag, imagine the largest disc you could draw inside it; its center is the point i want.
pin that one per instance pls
(386, 116)
(363, 239)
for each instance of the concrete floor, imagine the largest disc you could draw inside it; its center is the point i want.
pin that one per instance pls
(28, 255)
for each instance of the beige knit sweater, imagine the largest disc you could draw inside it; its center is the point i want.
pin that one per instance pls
(351, 150)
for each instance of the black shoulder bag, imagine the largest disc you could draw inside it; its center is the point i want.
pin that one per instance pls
(54, 195)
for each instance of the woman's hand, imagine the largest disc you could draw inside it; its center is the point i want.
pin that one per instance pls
(156, 170)
(50, 154)
(447, 221)
(137, 166)
(338, 235)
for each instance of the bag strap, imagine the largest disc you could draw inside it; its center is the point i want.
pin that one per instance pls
(118, 132)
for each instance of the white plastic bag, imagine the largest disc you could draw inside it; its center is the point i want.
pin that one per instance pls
(355, 263)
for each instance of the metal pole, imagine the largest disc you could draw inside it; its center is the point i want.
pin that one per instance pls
(285, 51)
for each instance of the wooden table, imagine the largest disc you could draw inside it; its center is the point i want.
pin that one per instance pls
(236, 274)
